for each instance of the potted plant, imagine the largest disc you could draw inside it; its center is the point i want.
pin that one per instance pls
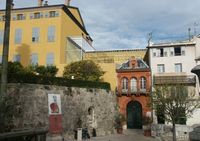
(119, 122)
(147, 125)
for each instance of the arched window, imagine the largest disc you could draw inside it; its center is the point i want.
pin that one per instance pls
(124, 84)
(133, 85)
(143, 84)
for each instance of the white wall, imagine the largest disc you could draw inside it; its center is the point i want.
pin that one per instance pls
(187, 60)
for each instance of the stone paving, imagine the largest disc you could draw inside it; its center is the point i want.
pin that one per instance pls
(128, 135)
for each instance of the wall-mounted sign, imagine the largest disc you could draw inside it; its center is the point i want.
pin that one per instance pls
(54, 104)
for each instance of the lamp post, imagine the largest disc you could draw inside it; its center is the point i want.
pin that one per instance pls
(5, 48)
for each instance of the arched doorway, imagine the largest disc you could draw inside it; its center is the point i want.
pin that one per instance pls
(134, 115)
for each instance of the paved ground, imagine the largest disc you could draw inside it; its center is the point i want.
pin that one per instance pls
(128, 135)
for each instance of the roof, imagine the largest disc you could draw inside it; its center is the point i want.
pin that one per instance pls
(140, 65)
(172, 44)
(61, 6)
(122, 50)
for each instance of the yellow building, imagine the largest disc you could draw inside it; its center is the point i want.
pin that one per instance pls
(56, 35)
(45, 35)
(109, 60)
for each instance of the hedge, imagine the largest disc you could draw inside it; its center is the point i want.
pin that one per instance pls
(34, 79)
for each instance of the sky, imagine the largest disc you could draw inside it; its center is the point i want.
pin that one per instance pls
(126, 24)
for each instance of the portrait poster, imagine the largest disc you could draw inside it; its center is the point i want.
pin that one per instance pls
(54, 104)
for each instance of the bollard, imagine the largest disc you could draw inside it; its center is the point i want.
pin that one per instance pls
(79, 134)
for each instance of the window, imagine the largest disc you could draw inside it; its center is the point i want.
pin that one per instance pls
(37, 15)
(171, 53)
(154, 54)
(52, 14)
(35, 34)
(18, 36)
(50, 59)
(133, 85)
(1, 36)
(17, 58)
(34, 59)
(178, 67)
(20, 17)
(161, 68)
(51, 33)
(161, 52)
(142, 84)
(124, 84)
(165, 53)
(177, 51)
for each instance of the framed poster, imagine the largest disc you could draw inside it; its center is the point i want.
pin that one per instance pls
(54, 104)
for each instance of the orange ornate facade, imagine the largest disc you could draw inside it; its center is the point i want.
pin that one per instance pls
(134, 83)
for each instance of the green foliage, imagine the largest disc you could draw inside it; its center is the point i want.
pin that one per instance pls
(18, 74)
(46, 70)
(83, 70)
(39, 79)
(15, 68)
(175, 101)
(119, 120)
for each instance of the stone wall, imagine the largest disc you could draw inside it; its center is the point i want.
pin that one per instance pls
(165, 132)
(75, 103)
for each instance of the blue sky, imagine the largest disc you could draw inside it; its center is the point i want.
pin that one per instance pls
(125, 24)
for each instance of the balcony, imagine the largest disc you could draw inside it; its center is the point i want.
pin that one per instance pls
(127, 92)
(187, 79)
(124, 91)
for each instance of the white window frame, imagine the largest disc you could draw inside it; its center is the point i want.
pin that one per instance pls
(35, 34)
(178, 67)
(133, 84)
(143, 84)
(160, 68)
(18, 36)
(51, 33)
(34, 59)
(50, 58)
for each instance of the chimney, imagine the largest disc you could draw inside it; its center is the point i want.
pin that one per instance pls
(12, 6)
(67, 2)
(40, 3)
(46, 3)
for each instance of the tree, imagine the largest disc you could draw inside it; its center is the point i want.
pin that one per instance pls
(83, 70)
(176, 102)
(50, 71)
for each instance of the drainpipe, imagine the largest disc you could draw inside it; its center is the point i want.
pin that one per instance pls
(40, 3)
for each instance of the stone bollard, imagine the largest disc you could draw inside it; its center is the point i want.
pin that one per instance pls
(79, 134)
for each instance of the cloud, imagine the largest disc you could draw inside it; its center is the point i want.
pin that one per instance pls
(125, 24)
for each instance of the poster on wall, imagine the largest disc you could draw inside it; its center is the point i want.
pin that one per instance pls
(54, 104)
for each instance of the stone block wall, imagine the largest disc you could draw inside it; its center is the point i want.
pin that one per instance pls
(75, 103)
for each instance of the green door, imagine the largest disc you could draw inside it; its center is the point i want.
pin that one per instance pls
(134, 115)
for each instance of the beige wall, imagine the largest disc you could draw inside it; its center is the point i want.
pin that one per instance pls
(108, 60)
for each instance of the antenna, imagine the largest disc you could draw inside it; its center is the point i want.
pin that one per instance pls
(195, 29)
(149, 38)
(189, 35)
